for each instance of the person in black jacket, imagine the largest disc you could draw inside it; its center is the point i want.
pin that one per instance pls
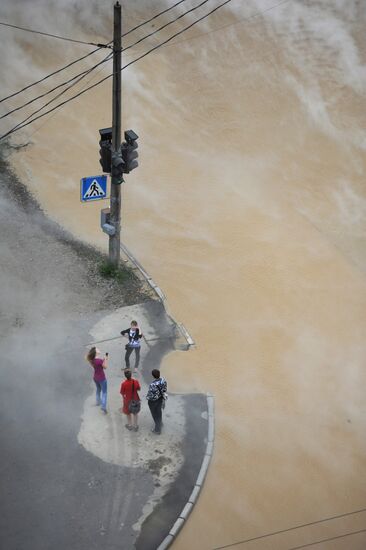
(134, 335)
(156, 396)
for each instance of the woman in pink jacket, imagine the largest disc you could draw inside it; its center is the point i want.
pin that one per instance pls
(99, 365)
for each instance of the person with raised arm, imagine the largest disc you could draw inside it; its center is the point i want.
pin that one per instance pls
(99, 366)
(134, 336)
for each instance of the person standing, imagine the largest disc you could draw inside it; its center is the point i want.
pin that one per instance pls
(131, 400)
(134, 335)
(99, 365)
(156, 396)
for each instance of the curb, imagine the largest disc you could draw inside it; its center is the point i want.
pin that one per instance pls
(160, 294)
(180, 521)
(199, 481)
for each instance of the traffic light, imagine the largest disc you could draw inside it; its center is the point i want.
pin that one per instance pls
(129, 151)
(105, 150)
(117, 168)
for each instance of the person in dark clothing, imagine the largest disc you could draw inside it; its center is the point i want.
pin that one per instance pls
(134, 335)
(156, 396)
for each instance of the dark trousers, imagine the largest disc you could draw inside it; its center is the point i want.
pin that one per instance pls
(155, 409)
(129, 350)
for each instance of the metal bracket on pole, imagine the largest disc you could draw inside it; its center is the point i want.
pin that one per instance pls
(105, 218)
(109, 229)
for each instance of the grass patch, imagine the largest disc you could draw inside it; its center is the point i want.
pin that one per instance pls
(109, 271)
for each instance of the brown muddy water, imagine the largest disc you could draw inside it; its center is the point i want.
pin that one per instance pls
(249, 210)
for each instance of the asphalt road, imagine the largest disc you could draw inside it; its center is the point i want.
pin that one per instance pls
(54, 493)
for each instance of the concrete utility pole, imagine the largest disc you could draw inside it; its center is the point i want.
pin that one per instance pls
(115, 217)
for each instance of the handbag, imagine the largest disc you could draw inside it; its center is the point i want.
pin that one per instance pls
(134, 405)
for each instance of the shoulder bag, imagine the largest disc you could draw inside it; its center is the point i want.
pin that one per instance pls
(134, 405)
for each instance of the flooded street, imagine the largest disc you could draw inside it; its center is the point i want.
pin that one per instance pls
(249, 210)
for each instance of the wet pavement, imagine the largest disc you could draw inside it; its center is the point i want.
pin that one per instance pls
(174, 458)
(72, 477)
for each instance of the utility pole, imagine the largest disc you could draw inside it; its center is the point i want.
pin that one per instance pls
(115, 208)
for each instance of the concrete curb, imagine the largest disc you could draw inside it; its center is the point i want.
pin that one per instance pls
(180, 521)
(200, 479)
(160, 294)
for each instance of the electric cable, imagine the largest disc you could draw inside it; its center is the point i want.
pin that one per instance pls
(328, 540)
(257, 14)
(48, 76)
(87, 55)
(53, 35)
(176, 34)
(289, 529)
(152, 18)
(63, 91)
(85, 73)
(21, 125)
(55, 112)
(165, 25)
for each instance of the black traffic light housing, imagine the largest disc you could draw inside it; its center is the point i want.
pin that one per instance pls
(105, 150)
(129, 151)
(117, 168)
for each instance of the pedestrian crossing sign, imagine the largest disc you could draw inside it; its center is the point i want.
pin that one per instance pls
(93, 188)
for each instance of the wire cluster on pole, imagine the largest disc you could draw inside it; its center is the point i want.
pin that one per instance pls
(88, 54)
(80, 76)
(52, 35)
(88, 71)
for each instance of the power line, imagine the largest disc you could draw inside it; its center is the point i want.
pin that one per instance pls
(49, 75)
(257, 14)
(91, 43)
(290, 529)
(176, 34)
(327, 540)
(81, 77)
(108, 57)
(166, 25)
(85, 73)
(53, 35)
(87, 55)
(55, 112)
(152, 18)
(21, 125)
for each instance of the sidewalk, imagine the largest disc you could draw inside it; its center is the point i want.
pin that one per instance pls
(114, 489)
(173, 459)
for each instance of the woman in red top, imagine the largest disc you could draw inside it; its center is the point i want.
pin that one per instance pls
(129, 389)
